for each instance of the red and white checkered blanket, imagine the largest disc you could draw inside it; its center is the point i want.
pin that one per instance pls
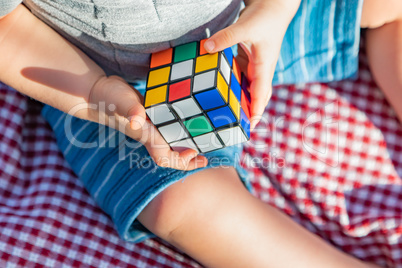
(328, 155)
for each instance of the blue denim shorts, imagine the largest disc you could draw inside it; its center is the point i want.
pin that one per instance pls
(321, 44)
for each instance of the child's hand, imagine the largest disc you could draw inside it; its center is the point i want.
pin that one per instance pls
(125, 112)
(260, 31)
(40, 63)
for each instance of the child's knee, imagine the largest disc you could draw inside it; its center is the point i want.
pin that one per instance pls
(188, 199)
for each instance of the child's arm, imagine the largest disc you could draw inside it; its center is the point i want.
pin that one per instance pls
(260, 30)
(40, 63)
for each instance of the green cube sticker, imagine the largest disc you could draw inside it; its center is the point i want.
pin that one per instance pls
(197, 126)
(185, 52)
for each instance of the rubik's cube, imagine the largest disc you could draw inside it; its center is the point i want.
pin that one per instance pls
(198, 100)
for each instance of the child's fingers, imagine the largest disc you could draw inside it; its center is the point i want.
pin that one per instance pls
(160, 151)
(247, 28)
(190, 160)
(125, 104)
(197, 162)
(261, 70)
(165, 157)
(119, 99)
(128, 104)
(260, 93)
(225, 38)
(136, 116)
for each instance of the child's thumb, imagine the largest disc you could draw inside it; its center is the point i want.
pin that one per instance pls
(129, 106)
(225, 38)
(136, 116)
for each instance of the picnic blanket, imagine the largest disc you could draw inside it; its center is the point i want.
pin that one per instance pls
(328, 155)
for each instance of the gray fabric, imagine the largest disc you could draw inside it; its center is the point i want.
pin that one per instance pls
(6, 6)
(120, 34)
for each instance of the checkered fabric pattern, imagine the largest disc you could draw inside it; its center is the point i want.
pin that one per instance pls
(328, 155)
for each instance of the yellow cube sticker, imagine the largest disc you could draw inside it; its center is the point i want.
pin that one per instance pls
(234, 104)
(222, 87)
(158, 77)
(155, 96)
(206, 62)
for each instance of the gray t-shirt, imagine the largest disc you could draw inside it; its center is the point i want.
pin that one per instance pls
(120, 34)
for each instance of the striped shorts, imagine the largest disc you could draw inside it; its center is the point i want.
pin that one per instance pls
(118, 172)
(321, 44)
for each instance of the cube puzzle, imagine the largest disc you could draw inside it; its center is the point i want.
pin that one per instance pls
(198, 100)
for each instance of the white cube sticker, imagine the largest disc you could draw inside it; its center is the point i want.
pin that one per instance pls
(204, 81)
(173, 132)
(232, 136)
(183, 145)
(186, 108)
(182, 70)
(159, 114)
(225, 69)
(208, 142)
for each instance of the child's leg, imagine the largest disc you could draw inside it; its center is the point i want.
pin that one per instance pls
(213, 218)
(384, 47)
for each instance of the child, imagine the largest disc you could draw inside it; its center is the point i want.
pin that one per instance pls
(210, 215)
